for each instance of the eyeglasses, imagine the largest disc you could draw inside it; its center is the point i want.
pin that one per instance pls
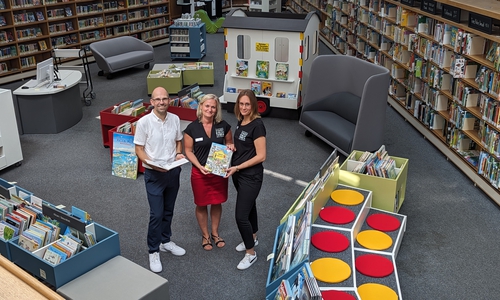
(245, 104)
(161, 99)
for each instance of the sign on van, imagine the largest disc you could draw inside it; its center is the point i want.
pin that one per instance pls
(262, 47)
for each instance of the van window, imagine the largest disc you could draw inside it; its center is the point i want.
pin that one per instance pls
(243, 46)
(281, 45)
(306, 48)
(315, 43)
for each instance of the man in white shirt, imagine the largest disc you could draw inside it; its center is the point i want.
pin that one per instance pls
(158, 138)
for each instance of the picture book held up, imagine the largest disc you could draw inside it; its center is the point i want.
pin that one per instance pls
(219, 159)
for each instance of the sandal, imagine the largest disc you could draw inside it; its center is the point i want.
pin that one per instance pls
(218, 240)
(208, 245)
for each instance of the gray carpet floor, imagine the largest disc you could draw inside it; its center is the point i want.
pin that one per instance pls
(449, 251)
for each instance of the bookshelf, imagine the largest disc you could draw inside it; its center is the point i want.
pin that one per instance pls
(264, 5)
(188, 40)
(441, 54)
(30, 29)
(227, 5)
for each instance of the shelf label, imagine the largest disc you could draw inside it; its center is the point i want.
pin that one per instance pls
(480, 22)
(429, 6)
(262, 47)
(451, 13)
(409, 2)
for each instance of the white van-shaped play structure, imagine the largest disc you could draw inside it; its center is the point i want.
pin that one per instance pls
(270, 53)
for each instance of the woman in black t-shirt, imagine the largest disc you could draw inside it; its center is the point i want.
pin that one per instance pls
(248, 172)
(208, 189)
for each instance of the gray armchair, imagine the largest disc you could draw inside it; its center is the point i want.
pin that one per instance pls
(345, 103)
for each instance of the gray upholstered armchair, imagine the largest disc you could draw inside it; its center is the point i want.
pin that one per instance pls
(345, 103)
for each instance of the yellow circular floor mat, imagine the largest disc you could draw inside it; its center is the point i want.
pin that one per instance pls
(374, 239)
(375, 291)
(347, 197)
(330, 270)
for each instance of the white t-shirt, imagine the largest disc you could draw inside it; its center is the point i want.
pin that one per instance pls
(158, 137)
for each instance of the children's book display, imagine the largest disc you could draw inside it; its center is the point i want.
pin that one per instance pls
(219, 159)
(352, 247)
(52, 244)
(380, 173)
(242, 68)
(281, 71)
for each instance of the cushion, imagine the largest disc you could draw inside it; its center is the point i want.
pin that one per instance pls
(332, 127)
(129, 59)
(344, 104)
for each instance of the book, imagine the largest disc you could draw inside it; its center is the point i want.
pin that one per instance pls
(40, 16)
(219, 159)
(255, 86)
(125, 161)
(52, 257)
(280, 95)
(262, 70)
(267, 88)
(165, 165)
(281, 72)
(43, 45)
(242, 68)
(28, 243)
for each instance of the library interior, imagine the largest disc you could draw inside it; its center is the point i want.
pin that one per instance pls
(381, 176)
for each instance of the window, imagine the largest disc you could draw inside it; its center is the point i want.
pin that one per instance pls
(306, 48)
(315, 43)
(243, 46)
(281, 45)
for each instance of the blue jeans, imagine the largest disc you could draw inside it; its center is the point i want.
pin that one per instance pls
(162, 191)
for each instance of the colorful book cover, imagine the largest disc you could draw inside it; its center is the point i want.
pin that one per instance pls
(267, 88)
(281, 71)
(242, 68)
(255, 86)
(125, 162)
(280, 95)
(219, 159)
(262, 70)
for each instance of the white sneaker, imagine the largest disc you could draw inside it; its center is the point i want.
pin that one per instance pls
(154, 262)
(247, 261)
(241, 246)
(172, 248)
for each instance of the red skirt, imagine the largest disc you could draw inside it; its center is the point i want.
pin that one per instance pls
(208, 189)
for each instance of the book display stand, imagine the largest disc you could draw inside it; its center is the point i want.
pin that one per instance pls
(353, 246)
(106, 245)
(388, 194)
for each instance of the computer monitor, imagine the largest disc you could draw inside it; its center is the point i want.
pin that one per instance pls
(45, 71)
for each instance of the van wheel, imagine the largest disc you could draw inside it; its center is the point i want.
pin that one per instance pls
(263, 106)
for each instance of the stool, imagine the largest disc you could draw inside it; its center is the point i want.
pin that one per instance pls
(118, 278)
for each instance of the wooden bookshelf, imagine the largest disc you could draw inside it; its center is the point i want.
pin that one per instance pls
(454, 108)
(30, 29)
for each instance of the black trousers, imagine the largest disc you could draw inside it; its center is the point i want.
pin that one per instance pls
(248, 188)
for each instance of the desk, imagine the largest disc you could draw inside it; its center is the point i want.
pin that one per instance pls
(18, 284)
(48, 109)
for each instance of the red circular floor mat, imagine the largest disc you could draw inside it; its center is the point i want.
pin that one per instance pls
(337, 215)
(374, 265)
(330, 241)
(383, 222)
(336, 295)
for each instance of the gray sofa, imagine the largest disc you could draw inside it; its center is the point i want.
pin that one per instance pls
(116, 54)
(345, 103)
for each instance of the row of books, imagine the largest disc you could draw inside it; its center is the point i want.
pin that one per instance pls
(378, 164)
(264, 88)
(293, 242)
(303, 286)
(262, 69)
(22, 215)
(130, 108)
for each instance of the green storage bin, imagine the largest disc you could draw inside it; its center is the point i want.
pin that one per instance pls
(200, 76)
(172, 84)
(388, 194)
